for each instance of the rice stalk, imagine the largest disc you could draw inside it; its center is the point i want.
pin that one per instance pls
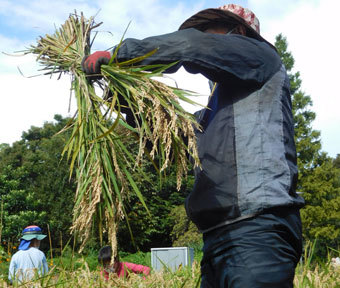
(97, 151)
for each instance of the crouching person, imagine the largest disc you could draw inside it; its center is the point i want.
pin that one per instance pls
(122, 269)
(29, 261)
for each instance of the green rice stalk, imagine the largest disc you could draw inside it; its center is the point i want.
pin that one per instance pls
(106, 170)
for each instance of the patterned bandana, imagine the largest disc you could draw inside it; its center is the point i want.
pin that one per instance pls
(244, 13)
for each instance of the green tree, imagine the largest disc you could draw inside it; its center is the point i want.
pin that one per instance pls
(46, 187)
(337, 161)
(35, 183)
(184, 231)
(161, 196)
(322, 213)
(318, 176)
(19, 206)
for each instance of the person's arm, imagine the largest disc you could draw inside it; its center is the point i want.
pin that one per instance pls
(137, 268)
(45, 265)
(218, 57)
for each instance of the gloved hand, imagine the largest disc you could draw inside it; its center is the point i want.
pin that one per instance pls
(91, 64)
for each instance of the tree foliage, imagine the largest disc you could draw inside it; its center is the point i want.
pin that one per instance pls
(35, 186)
(18, 204)
(36, 189)
(184, 231)
(336, 161)
(161, 196)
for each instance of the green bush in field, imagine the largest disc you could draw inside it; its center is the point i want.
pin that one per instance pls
(143, 258)
(71, 263)
(184, 231)
(4, 263)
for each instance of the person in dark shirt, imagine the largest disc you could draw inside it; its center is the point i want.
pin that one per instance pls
(244, 198)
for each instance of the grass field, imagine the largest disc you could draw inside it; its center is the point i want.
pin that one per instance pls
(68, 271)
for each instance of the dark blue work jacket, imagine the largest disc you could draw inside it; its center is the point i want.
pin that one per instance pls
(246, 146)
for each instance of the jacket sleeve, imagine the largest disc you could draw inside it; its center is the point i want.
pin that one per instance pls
(138, 269)
(218, 57)
(45, 265)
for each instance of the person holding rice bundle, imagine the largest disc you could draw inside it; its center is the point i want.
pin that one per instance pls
(244, 199)
(29, 261)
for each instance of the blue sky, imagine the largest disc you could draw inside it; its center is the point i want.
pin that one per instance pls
(310, 26)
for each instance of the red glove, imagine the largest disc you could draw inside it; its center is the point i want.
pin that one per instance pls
(91, 64)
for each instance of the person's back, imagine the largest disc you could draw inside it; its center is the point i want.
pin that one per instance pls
(26, 264)
(29, 261)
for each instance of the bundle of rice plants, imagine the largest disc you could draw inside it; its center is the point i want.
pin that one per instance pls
(105, 168)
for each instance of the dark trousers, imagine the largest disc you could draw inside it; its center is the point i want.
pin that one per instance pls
(258, 252)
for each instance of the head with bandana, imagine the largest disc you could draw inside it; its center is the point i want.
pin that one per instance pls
(28, 234)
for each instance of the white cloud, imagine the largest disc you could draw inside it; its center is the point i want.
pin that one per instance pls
(195, 83)
(147, 18)
(11, 60)
(42, 16)
(27, 102)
